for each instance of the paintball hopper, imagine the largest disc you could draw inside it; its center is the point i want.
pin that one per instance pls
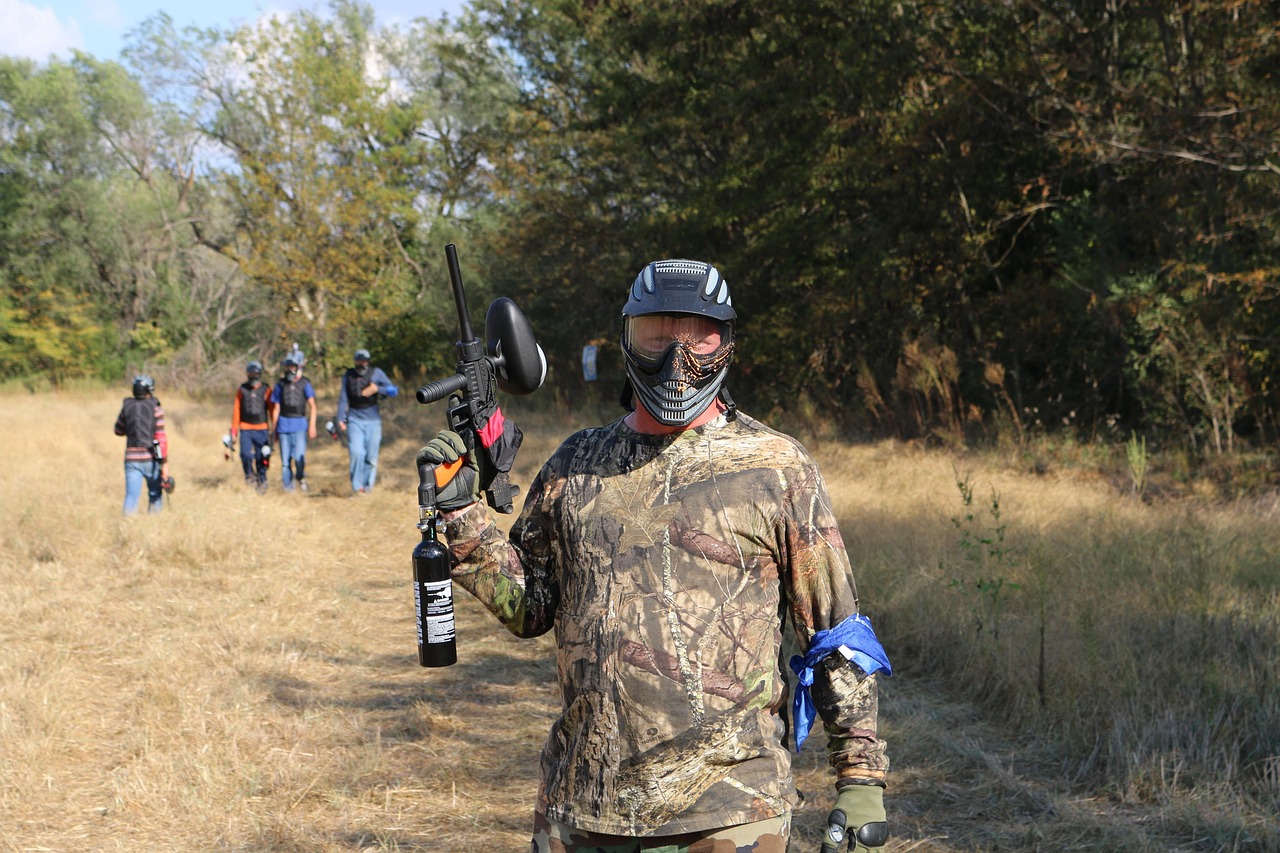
(517, 358)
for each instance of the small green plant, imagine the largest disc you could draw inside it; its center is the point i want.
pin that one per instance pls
(988, 556)
(1139, 462)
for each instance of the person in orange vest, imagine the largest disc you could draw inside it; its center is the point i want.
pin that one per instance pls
(250, 422)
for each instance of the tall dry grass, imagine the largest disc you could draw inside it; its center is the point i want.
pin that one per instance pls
(1140, 643)
(238, 673)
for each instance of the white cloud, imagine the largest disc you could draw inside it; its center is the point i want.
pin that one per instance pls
(104, 12)
(35, 31)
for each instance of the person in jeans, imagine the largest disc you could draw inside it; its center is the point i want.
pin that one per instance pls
(359, 418)
(293, 421)
(668, 550)
(250, 421)
(146, 452)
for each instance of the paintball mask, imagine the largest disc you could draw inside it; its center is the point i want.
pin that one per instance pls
(253, 371)
(677, 338)
(291, 367)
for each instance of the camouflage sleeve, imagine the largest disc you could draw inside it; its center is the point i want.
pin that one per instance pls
(822, 594)
(512, 576)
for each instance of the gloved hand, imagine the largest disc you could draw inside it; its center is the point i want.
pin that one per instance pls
(859, 816)
(392, 390)
(463, 487)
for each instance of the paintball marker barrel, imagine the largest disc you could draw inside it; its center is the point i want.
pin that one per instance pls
(459, 298)
(441, 388)
(470, 349)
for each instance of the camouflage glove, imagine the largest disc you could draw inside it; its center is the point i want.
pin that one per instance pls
(462, 488)
(859, 816)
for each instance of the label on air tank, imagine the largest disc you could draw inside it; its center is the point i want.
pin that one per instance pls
(438, 611)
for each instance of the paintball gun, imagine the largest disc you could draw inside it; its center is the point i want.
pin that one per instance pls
(166, 483)
(331, 427)
(511, 361)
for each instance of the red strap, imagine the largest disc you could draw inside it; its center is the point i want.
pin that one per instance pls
(493, 429)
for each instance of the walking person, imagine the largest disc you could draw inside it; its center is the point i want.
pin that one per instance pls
(667, 550)
(359, 418)
(251, 423)
(293, 421)
(146, 452)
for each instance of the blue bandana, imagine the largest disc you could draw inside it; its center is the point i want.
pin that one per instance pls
(853, 638)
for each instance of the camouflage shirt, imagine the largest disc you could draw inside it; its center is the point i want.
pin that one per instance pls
(667, 565)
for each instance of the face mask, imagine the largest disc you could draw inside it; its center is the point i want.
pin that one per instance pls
(676, 364)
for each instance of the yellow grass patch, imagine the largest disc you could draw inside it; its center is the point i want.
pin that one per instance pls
(239, 673)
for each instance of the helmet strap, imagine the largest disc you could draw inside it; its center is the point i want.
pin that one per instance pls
(731, 408)
(628, 397)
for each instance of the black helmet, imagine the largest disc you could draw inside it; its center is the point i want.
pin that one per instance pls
(143, 385)
(680, 287)
(686, 306)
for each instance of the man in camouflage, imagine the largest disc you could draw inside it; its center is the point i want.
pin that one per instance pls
(667, 550)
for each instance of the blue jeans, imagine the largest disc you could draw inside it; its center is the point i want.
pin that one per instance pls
(135, 473)
(293, 457)
(255, 467)
(365, 436)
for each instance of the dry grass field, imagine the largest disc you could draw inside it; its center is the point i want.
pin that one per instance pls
(239, 673)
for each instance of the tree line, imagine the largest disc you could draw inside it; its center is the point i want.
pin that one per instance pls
(954, 220)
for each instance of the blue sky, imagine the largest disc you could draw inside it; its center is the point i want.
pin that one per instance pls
(39, 28)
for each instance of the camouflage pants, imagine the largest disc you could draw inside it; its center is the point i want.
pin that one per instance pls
(765, 836)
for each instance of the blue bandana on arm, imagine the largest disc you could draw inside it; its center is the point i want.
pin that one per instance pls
(854, 639)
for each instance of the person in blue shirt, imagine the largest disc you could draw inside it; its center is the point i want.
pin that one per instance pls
(358, 416)
(293, 420)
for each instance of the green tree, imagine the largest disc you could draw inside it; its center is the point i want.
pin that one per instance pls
(882, 180)
(729, 131)
(346, 151)
(90, 256)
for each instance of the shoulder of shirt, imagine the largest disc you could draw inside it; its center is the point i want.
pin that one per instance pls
(752, 426)
(587, 435)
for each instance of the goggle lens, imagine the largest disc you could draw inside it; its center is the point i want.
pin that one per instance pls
(651, 335)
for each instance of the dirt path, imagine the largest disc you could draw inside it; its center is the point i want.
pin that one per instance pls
(960, 784)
